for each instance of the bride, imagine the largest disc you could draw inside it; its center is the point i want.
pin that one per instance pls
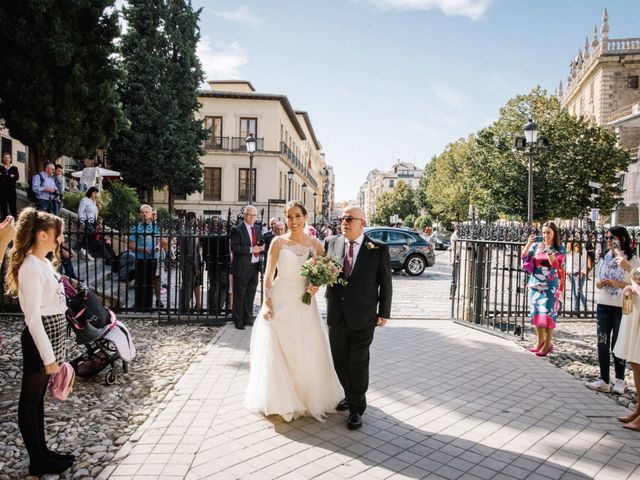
(291, 371)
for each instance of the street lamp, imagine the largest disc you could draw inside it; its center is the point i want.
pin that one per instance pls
(251, 147)
(532, 144)
(304, 193)
(290, 177)
(315, 196)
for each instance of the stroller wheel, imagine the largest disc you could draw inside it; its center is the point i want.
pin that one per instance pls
(112, 376)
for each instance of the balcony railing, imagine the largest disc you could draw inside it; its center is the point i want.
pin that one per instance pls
(296, 164)
(625, 111)
(232, 144)
(219, 143)
(240, 143)
(634, 153)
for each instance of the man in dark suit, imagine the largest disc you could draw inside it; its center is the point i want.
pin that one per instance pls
(355, 309)
(246, 247)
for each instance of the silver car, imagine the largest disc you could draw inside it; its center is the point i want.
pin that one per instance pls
(407, 249)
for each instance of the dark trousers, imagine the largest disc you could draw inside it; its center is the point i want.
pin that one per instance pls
(244, 293)
(31, 403)
(350, 352)
(45, 206)
(145, 282)
(218, 289)
(8, 204)
(608, 320)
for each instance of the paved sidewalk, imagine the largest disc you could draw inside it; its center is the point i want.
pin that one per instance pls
(446, 401)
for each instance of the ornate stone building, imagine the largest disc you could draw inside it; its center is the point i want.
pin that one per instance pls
(603, 86)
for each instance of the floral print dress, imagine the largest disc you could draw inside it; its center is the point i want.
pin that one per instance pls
(544, 286)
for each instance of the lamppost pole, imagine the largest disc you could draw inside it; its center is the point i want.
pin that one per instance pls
(251, 147)
(530, 190)
(531, 144)
(315, 196)
(304, 194)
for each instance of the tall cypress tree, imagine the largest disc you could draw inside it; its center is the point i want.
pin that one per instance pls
(139, 152)
(57, 93)
(184, 170)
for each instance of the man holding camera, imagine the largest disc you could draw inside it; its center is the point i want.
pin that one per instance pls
(246, 247)
(45, 189)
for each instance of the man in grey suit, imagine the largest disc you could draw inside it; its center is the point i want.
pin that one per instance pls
(246, 247)
(355, 309)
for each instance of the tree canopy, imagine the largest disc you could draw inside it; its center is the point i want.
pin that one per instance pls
(57, 93)
(399, 201)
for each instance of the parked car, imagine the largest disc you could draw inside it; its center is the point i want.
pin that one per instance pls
(441, 240)
(407, 249)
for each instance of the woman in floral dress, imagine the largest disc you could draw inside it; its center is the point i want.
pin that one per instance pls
(546, 256)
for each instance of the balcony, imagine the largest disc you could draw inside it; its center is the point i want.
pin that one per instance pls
(634, 153)
(297, 165)
(628, 116)
(240, 143)
(234, 144)
(219, 143)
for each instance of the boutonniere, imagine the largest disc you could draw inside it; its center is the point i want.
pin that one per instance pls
(371, 246)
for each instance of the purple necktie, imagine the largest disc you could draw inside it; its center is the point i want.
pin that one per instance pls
(348, 261)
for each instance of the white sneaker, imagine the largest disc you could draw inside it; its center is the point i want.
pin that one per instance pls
(83, 253)
(599, 386)
(618, 387)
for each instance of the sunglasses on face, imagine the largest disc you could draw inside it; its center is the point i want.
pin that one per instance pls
(348, 219)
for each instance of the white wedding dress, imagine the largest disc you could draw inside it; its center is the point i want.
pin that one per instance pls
(291, 371)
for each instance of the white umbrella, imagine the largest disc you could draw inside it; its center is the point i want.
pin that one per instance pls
(90, 175)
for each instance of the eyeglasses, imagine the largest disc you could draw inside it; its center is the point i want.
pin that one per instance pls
(609, 237)
(348, 219)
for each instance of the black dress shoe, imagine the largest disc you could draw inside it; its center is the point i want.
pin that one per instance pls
(249, 323)
(60, 457)
(49, 466)
(343, 405)
(354, 422)
(239, 326)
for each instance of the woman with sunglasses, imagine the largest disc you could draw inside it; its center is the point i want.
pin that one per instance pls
(547, 255)
(612, 275)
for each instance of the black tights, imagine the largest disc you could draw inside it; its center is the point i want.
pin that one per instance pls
(31, 415)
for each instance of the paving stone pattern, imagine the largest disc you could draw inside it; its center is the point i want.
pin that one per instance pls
(445, 402)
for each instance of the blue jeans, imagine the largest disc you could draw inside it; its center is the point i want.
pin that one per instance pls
(577, 292)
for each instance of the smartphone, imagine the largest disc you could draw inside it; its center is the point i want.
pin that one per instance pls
(539, 238)
(616, 247)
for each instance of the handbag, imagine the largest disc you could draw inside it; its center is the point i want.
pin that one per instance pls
(627, 304)
(61, 384)
(528, 265)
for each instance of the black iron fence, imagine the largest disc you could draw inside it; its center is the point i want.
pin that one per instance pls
(489, 286)
(177, 269)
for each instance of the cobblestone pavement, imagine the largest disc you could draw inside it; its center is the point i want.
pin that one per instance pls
(446, 401)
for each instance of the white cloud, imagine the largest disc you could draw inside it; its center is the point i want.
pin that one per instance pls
(241, 15)
(221, 60)
(474, 9)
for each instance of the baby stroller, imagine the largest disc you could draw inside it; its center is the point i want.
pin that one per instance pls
(107, 340)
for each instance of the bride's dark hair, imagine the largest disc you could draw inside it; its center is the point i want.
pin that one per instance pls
(296, 203)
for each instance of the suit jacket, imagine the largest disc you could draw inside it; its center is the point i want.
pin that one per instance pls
(368, 292)
(268, 237)
(241, 249)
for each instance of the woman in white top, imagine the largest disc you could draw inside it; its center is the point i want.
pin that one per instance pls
(88, 217)
(33, 279)
(576, 263)
(612, 275)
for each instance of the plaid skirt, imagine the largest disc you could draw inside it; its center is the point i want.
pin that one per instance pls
(55, 327)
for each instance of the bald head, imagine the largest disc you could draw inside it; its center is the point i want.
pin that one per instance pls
(352, 222)
(279, 229)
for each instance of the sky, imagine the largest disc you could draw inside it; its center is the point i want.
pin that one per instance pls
(384, 80)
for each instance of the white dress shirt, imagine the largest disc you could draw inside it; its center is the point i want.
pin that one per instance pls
(254, 258)
(40, 293)
(356, 248)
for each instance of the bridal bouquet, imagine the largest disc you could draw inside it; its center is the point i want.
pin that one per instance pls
(320, 271)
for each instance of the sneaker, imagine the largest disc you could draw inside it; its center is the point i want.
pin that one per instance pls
(599, 386)
(618, 387)
(87, 255)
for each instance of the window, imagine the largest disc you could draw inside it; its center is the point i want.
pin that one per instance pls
(632, 81)
(247, 126)
(180, 196)
(399, 237)
(210, 213)
(213, 184)
(7, 147)
(376, 235)
(243, 185)
(215, 137)
(391, 183)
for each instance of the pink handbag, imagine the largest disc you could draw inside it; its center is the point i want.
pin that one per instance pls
(61, 384)
(528, 265)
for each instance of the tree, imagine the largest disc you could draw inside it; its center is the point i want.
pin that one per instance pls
(447, 185)
(57, 93)
(140, 151)
(184, 172)
(399, 201)
(578, 153)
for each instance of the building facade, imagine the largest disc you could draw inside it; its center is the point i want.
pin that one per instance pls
(288, 163)
(379, 181)
(19, 153)
(602, 86)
